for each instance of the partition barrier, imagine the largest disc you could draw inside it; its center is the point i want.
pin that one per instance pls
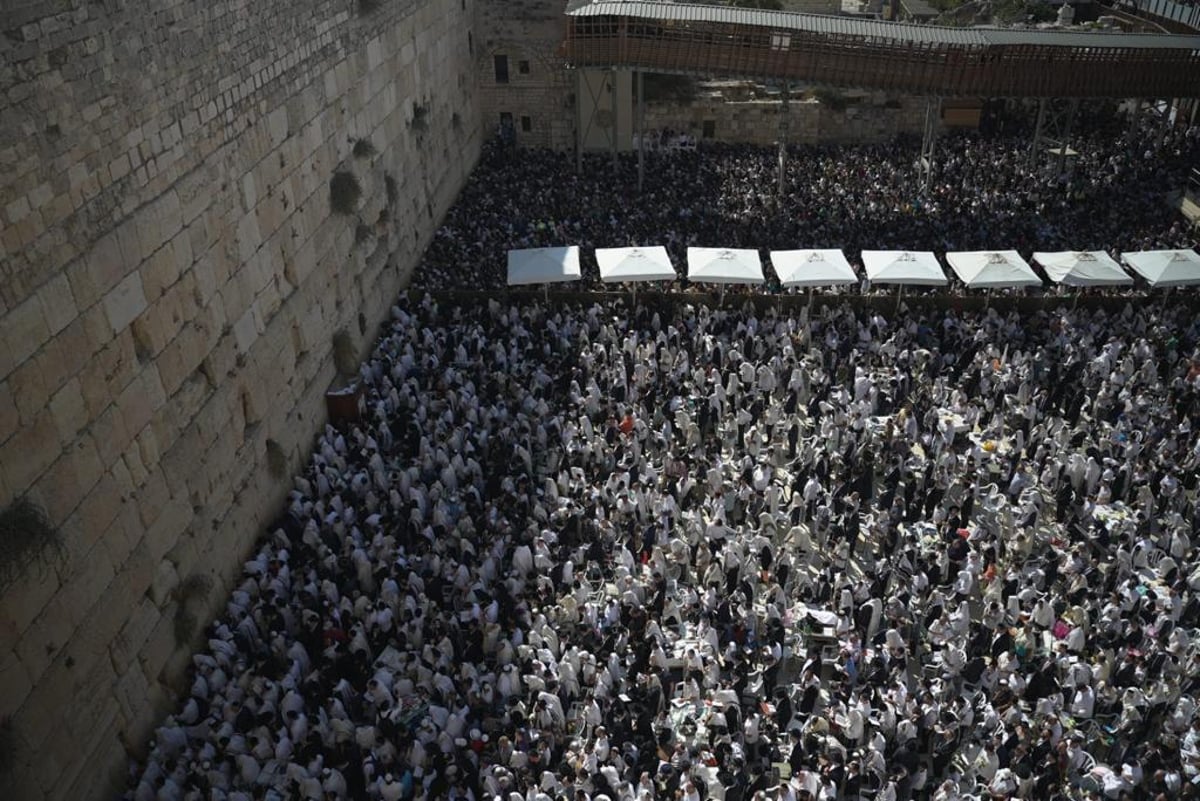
(885, 303)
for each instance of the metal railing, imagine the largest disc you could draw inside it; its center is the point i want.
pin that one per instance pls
(1183, 13)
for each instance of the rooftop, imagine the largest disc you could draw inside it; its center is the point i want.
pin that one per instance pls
(860, 28)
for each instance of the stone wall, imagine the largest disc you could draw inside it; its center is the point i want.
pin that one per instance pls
(529, 33)
(810, 121)
(171, 278)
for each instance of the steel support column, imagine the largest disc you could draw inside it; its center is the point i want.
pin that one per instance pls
(615, 119)
(785, 120)
(596, 95)
(1170, 115)
(1052, 132)
(933, 107)
(1035, 146)
(1064, 143)
(641, 130)
(578, 122)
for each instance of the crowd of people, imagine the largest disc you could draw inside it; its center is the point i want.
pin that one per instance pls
(672, 552)
(985, 194)
(685, 553)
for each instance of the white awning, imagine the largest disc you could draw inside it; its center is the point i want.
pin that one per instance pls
(635, 264)
(985, 269)
(1082, 268)
(543, 265)
(813, 268)
(1165, 267)
(724, 266)
(917, 268)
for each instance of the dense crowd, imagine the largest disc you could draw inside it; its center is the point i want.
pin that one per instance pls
(985, 194)
(681, 554)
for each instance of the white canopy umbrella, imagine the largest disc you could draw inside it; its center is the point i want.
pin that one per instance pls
(543, 265)
(724, 266)
(982, 269)
(1082, 268)
(811, 268)
(635, 264)
(1165, 268)
(919, 268)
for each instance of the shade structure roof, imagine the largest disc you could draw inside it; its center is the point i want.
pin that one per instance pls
(813, 267)
(913, 267)
(635, 264)
(543, 265)
(862, 28)
(984, 269)
(1165, 267)
(1082, 268)
(724, 266)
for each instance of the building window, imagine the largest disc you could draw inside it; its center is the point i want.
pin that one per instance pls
(526, 124)
(523, 67)
(470, 43)
(710, 129)
(501, 69)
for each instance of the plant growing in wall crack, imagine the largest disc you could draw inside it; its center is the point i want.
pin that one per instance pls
(393, 189)
(367, 6)
(27, 540)
(190, 596)
(344, 192)
(363, 234)
(363, 148)
(420, 117)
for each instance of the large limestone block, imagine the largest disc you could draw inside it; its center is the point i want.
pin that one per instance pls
(70, 412)
(69, 480)
(140, 399)
(125, 302)
(100, 508)
(67, 354)
(9, 418)
(16, 681)
(58, 304)
(162, 269)
(45, 638)
(158, 224)
(25, 330)
(98, 271)
(28, 453)
(29, 389)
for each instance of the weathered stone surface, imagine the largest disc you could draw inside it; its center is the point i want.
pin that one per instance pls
(24, 331)
(170, 278)
(809, 121)
(125, 302)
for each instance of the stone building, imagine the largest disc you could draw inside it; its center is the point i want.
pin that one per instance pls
(523, 85)
(527, 88)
